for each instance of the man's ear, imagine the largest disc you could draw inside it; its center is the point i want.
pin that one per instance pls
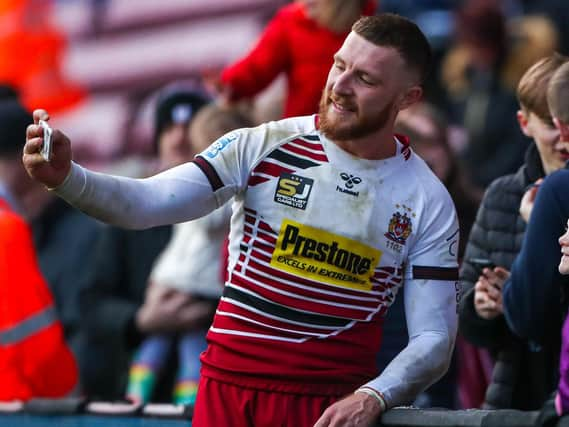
(563, 129)
(412, 95)
(523, 122)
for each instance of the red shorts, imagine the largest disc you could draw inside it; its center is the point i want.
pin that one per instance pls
(220, 404)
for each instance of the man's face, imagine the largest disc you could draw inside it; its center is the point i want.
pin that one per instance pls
(564, 243)
(364, 91)
(174, 147)
(546, 136)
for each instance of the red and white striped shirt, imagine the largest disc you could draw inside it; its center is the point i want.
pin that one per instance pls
(320, 244)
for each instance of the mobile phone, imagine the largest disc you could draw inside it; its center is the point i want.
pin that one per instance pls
(46, 148)
(482, 263)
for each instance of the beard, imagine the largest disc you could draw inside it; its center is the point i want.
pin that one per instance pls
(338, 129)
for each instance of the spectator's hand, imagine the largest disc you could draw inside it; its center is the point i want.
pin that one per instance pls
(356, 410)
(51, 173)
(211, 80)
(224, 96)
(196, 315)
(162, 310)
(488, 292)
(223, 93)
(526, 205)
(547, 415)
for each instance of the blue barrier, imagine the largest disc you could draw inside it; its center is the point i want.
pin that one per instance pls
(410, 417)
(79, 412)
(25, 420)
(74, 413)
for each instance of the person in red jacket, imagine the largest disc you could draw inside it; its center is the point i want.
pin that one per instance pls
(301, 41)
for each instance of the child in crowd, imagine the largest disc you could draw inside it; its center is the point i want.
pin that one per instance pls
(190, 263)
(522, 377)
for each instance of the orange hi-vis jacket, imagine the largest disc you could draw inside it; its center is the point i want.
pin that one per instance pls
(34, 359)
(32, 50)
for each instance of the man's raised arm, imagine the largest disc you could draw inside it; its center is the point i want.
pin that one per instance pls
(179, 194)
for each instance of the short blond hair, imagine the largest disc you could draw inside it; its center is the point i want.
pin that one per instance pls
(213, 121)
(532, 87)
(558, 94)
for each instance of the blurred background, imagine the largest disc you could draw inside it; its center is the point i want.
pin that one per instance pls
(94, 64)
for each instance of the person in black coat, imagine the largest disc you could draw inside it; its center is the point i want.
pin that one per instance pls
(523, 377)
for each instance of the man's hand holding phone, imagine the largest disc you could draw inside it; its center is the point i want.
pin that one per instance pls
(47, 153)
